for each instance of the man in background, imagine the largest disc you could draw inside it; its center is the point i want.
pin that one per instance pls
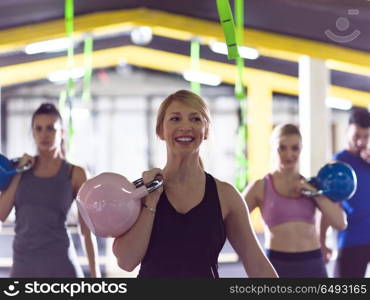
(354, 242)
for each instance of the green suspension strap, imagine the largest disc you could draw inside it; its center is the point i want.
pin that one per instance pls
(239, 36)
(227, 23)
(70, 92)
(88, 49)
(233, 38)
(194, 56)
(241, 158)
(68, 21)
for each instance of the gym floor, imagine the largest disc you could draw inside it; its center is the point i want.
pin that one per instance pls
(229, 266)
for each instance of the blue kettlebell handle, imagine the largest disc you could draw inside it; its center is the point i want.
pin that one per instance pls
(313, 181)
(308, 193)
(14, 171)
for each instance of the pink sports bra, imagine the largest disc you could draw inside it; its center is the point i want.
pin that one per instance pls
(277, 209)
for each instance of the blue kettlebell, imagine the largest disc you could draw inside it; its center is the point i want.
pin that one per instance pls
(7, 170)
(336, 180)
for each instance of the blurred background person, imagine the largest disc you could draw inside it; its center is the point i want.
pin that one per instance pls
(42, 198)
(291, 239)
(354, 242)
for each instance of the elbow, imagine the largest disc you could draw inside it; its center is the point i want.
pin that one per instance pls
(341, 225)
(343, 222)
(3, 214)
(337, 219)
(2, 217)
(126, 266)
(124, 262)
(115, 248)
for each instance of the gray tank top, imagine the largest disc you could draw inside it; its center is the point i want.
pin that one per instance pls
(42, 246)
(41, 208)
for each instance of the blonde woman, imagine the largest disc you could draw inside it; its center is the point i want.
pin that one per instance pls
(183, 226)
(291, 238)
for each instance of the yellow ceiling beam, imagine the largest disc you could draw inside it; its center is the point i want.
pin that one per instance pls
(99, 23)
(269, 44)
(184, 28)
(174, 63)
(357, 98)
(143, 57)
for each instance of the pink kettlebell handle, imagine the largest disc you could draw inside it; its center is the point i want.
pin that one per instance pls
(156, 183)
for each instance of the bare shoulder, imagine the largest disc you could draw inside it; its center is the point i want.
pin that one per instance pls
(229, 196)
(255, 187)
(79, 175)
(226, 189)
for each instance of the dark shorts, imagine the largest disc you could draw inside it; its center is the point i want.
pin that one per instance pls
(308, 264)
(352, 261)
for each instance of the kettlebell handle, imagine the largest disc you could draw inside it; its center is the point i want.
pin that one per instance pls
(156, 183)
(308, 193)
(336, 180)
(24, 168)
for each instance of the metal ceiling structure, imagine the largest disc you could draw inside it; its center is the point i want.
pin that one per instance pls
(337, 31)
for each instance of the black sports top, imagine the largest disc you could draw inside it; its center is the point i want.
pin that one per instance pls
(186, 245)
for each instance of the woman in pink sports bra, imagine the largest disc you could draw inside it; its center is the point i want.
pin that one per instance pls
(291, 239)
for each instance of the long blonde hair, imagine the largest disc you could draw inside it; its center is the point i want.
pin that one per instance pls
(188, 98)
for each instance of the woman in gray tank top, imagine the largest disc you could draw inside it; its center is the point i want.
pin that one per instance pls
(42, 198)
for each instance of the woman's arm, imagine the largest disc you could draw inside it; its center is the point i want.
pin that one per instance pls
(130, 248)
(253, 194)
(326, 252)
(7, 196)
(241, 235)
(88, 240)
(332, 211)
(90, 247)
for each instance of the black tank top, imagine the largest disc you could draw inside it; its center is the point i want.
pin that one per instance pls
(186, 245)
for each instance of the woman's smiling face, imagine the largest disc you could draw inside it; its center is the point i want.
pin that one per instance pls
(184, 128)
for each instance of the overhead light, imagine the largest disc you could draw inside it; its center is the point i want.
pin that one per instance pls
(64, 75)
(48, 46)
(338, 103)
(80, 113)
(141, 35)
(244, 52)
(123, 67)
(202, 77)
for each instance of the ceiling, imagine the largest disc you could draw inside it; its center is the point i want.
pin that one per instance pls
(301, 18)
(283, 30)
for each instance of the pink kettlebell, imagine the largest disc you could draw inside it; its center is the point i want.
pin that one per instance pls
(110, 204)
